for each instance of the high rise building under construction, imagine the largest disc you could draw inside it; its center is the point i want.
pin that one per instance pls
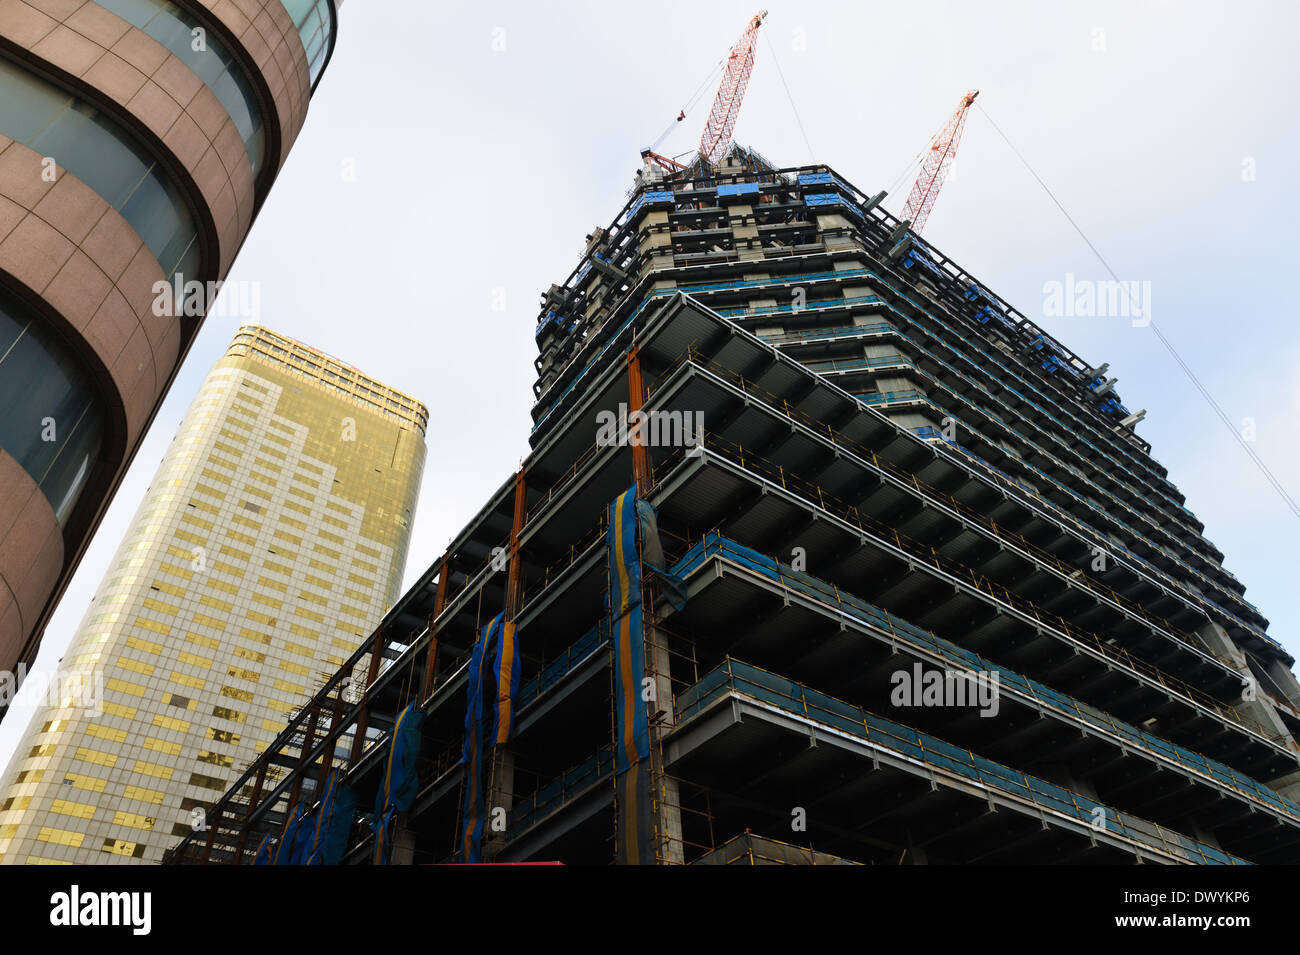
(822, 553)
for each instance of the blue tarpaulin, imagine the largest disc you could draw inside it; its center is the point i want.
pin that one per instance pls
(382, 824)
(288, 838)
(401, 782)
(632, 735)
(652, 555)
(265, 851)
(472, 755)
(505, 670)
(494, 671)
(624, 566)
(333, 822)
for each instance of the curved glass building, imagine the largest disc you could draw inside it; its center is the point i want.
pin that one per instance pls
(138, 139)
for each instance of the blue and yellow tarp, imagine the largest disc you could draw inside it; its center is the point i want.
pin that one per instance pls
(505, 669)
(472, 755)
(265, 851)
(333, 822)
(673, 588)
(401, 781)
(632, 741)
(288, 838)
(494, 673)
(632, 732)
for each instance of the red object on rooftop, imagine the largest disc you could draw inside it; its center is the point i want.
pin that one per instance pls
(935, 165)
(716, 139)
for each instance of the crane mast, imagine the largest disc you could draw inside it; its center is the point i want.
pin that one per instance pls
(716, 139)
(937, 161)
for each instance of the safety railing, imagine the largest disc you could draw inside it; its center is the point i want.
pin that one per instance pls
(845, 604)
(742, 679)
(866, 524)
(778, 404)
(531, 809)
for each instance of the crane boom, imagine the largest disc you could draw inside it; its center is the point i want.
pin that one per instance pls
(716, 139)
(935, 165)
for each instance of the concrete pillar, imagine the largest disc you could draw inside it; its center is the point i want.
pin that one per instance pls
(500, 800)
(1286, 682)
(1082, 785)
(914, 854)
(1206, 835)
(403, 842)
(1258, 713)
(668, 824)
(655, 240)
(1288, 785)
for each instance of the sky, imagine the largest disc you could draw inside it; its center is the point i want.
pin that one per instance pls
(455, 157)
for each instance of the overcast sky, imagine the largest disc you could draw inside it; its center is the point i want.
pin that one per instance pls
(456, 155)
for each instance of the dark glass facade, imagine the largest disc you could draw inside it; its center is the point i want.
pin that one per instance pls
(208, 57)
(52, 423)
(97, 150)
(315, 22)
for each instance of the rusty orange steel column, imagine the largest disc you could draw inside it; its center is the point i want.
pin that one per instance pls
(363, 718)
(635, 399)
(304, 754)
(431, 659)
(252, 805)
(515, 578)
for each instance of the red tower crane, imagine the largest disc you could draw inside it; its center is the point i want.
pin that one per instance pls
(935, 165)
(716, 139)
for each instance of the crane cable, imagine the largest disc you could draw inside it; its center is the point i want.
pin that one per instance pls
(690, 104)
(901, 179)
(790, 97)
(1191, 376)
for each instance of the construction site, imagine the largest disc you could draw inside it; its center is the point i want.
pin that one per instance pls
(821, 553)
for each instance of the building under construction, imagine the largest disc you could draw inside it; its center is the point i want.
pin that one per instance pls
(823, 553)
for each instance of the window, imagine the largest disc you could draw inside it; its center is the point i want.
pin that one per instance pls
(315, 23)
(107, 158)
(52, 423)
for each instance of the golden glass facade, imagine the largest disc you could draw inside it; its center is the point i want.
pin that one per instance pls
(270, 542)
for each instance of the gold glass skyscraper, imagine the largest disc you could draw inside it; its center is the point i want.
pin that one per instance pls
(270, 542)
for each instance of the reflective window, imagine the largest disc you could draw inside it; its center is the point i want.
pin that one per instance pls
(101, 153)
(212, 63)
(315, 24)
(52, 423)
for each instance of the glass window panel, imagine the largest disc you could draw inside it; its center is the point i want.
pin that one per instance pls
(299, 9)
(214, 65)
(28, 103)
(152, 211)
(76, 459)
(164, 27)
(11, 326)
(314, 22)
(133, 11)
(52, 424)
(226, 88)
(105, 156)
(91, 147)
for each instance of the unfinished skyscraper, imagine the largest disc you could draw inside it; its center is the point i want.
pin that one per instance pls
(271, 541)
(822, 553)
